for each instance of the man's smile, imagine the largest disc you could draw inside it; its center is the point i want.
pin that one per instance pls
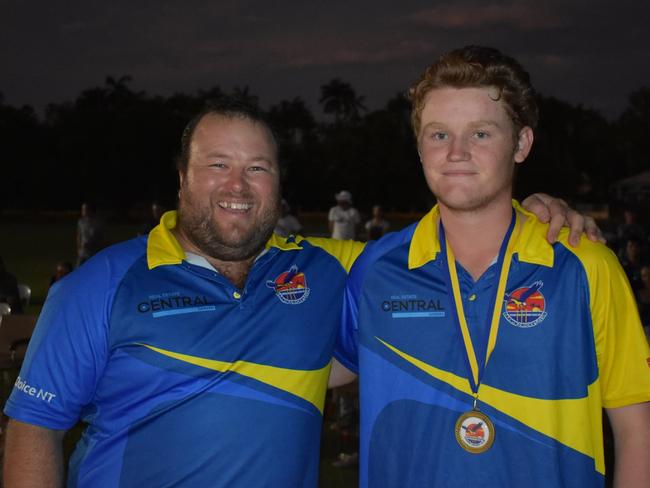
(238, 206)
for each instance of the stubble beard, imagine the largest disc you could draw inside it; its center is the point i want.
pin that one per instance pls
(198, 226)
(477, 201)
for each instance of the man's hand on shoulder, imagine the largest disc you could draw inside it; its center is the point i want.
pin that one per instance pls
(558, 214)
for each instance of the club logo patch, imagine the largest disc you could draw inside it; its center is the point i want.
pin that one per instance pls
(473, 432)
(525, 307)
(290, 287)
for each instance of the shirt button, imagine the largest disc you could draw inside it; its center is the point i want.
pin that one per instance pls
(236, 295)
(472, 297)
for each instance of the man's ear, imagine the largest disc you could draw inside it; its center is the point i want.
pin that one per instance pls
(524, 144)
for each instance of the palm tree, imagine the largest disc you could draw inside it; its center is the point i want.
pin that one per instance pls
(292, 119)
(245, 96)
(118, 92)
(340, 99)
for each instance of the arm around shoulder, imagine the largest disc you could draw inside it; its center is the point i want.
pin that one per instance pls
(631, 445)
(33, 456)
(557, 213)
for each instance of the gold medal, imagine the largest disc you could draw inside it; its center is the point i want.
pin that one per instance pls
(475, 431)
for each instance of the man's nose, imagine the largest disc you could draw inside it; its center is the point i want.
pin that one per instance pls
(458, 149)
(237, 181)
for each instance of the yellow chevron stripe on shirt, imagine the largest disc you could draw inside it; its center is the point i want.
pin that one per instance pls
(568, 421)
(309, 385)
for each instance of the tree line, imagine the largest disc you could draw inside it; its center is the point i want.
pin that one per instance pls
(115, 146)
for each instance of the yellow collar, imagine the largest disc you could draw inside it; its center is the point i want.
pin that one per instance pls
(164, 249)
(530, 244)
(162, 246)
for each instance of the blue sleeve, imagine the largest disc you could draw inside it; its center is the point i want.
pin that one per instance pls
(347, 340)
(346, 349)
(68, 350)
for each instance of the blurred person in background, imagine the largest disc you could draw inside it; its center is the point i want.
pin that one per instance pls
(630, 228)
(156, 211)
(377, 226)
(643, 297)
(631, 260)
(90, 233)
(61, 269)
(288, 224)
(9, 289)
(343, 218)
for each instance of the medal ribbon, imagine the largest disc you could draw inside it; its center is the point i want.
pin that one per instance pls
(503, 262)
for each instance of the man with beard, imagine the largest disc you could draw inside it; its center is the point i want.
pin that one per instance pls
(198, 355)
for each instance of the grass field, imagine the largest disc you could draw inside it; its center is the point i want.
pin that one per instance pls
(31, 248)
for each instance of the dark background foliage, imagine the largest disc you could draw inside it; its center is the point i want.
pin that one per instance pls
(115, 145)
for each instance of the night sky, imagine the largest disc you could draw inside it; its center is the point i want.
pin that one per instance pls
(589, 52)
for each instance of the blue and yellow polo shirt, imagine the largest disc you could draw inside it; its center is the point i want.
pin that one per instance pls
(183, 379)
(569, 343)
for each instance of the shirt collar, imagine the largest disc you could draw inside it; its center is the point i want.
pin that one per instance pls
(530, 244)
(163, 247)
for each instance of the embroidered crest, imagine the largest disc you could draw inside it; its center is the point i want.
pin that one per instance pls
(290, 287)
(525, 307)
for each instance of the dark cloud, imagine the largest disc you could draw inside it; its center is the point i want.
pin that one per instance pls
(517, 15)
(594, 53)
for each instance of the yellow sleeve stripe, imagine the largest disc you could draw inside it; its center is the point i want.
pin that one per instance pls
(310, 385)
(622, 351)
(573, 422)
(345, 252)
